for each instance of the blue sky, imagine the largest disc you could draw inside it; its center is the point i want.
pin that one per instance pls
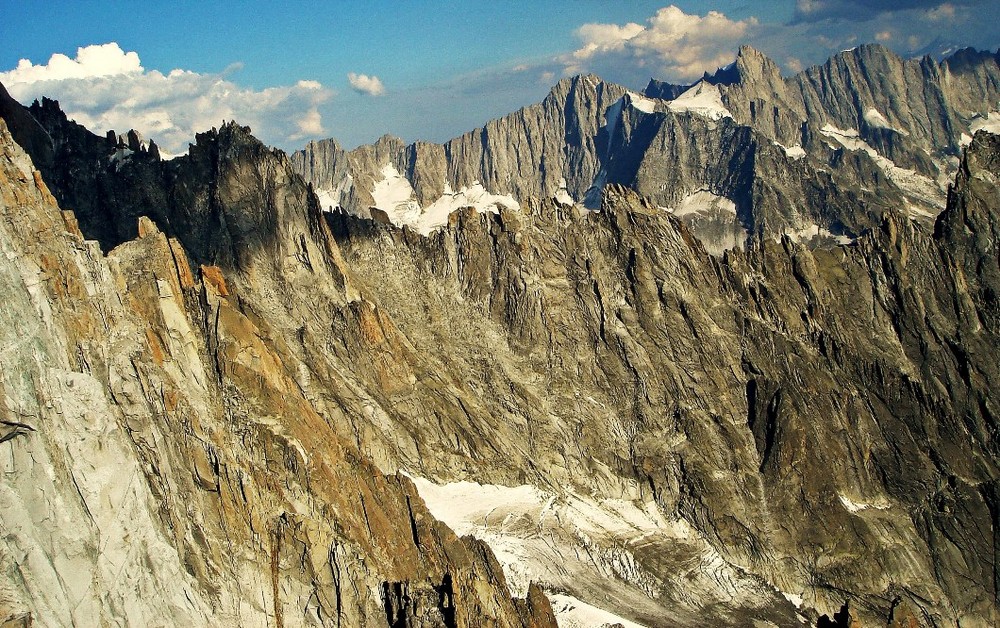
(428, 70)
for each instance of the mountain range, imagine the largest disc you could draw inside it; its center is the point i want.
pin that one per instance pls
(709, 355)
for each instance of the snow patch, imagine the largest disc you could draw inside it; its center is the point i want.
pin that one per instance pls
(611, 117)
(165, 156)
(855, 507)
(394, 195)
(592, 197)
(329, 198)
(573, 613)
(643, 104)
(989, 123)
(875, 119)
(914, 185)
(562, 194)
(119, 157)
(794, 152)
(703, 202)
(813, 231)
(713, 220)
(796, 600)
(703, 99)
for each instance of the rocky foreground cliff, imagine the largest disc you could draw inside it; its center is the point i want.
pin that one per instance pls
(222, 405)
(162, 462)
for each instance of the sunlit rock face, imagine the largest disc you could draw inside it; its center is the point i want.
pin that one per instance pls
(820, 156)
(163, 462)
(697, 371)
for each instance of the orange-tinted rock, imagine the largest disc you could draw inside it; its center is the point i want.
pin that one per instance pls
(213, 276)
(72, 225)
(147, 227)
(184, 274)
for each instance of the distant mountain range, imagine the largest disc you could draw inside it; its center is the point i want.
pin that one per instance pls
(818, 156)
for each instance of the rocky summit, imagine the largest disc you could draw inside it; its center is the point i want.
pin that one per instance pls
(720, 354)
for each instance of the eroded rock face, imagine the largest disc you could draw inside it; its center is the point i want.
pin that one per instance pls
(823, 419)
(757, 435)
(161, 462)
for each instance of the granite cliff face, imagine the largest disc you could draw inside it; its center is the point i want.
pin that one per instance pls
(820, 156)
(163, 460)
(229, 406)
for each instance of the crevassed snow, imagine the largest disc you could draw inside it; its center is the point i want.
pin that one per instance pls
(915, 185)
(703, 99)
(394, 195)
(513, 520)
(646, 105)
(703, 202)
(588, 548)
(573, 613)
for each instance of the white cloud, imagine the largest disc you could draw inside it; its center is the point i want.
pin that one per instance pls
(101, 60)
(604, 38)
(106, 88)
(364, 84)
(673, 45)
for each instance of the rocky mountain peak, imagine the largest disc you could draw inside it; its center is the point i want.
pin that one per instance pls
(754, 66)
(664, 90)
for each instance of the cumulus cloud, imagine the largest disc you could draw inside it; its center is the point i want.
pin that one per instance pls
(672, 45)
(364, 84)
(104, 87)
(101, 60)
(860, 10)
